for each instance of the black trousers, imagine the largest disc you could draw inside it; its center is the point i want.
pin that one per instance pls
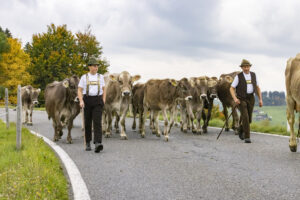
(93, 106)
(246, 109)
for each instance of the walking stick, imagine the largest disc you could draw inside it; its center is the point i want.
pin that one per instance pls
(226, 120)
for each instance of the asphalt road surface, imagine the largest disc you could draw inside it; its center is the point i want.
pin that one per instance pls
(187, 167)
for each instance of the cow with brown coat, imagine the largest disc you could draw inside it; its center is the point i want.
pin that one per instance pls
(119, 93)
(62, 105)
(29, 96)
(196, 105)
(161, 95)
(226, 99)
(137, 104)
(292, 83)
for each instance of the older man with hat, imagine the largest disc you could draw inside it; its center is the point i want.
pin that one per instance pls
(242, 90)
(92, 94)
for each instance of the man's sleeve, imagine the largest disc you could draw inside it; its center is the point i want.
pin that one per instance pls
(235, 81)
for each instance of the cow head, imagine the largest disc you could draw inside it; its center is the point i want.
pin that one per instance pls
(184, 89)
(71, 85)
(201, 86)
(212, 84)
(125, 82)
(35, 94)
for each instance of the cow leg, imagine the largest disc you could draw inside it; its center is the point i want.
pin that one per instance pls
(171, 119)
(70, 126)
(144, 121)
(291, 119)
(56, 131)
(164, 111)
(152, 120)
(140, 119)
(156, 126)
(183, 114)
(235, 121)
(123, 116)
(108, 124)
(199, 116)
(30, 110)
(204, 117)
(117, 120)
(225, 112)
(134, 116)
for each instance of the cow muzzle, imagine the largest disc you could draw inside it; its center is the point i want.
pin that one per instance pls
(35, 102)
(203, 96)
(213, 96)
(188, 98)
(126, 93)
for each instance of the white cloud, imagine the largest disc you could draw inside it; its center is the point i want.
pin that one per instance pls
(168, 38)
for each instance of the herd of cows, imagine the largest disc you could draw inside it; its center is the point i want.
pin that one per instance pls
(191, 95)
(166, 96)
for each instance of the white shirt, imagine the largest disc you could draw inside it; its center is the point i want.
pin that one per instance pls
(248, 80)
(93, 89)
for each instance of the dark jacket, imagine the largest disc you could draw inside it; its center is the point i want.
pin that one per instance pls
(241, 88)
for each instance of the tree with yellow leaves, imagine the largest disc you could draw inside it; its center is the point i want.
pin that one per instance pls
(13, 68)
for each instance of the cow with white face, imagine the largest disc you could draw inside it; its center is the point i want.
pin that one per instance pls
(29, 96)
(118, 97)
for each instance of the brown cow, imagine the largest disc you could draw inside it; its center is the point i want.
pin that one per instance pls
(226, 99)
(118, 97)
(292, 83)
(161, 95)
(199, 94)
(29, 96)
(62, 105)
(137, 104)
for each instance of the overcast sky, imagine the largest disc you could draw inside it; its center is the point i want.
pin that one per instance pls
(173, 39)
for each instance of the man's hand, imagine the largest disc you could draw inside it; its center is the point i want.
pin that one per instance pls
(260, 103)
(237, 101)
(81, 104)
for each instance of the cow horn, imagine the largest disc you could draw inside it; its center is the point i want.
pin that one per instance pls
(66, 83)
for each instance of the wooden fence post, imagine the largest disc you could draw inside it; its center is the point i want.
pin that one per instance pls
(6, 108)
(19, 118)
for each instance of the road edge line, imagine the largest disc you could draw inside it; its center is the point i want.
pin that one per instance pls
(79, 187)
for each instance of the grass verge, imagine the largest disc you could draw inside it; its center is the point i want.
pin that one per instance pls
(34, 172)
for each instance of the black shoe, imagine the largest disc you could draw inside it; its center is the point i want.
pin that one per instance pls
(241, 134)
(247, 140)
(88, 147)
(98, 147)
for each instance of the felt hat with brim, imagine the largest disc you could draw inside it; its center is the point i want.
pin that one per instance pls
(93, 61)
(245, 63)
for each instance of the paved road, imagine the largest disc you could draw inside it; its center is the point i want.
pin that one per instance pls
(187, 167)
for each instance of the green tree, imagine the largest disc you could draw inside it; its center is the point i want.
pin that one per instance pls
(4, 45)
(13, 67)
(89, 46)
(58, 54)
(54, 56)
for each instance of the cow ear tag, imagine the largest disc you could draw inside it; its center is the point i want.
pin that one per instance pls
(173, 82)
(66, 84)
(228, 79)
(112, 77)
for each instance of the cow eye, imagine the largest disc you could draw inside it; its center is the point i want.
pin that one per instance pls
(121, 82)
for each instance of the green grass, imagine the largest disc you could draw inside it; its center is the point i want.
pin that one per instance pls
(278, 114)
(34, 172)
